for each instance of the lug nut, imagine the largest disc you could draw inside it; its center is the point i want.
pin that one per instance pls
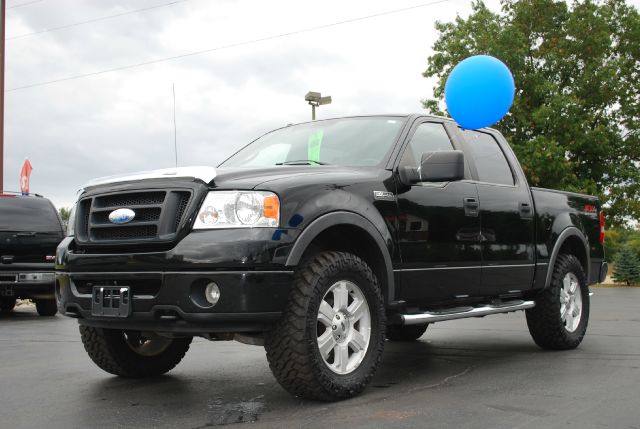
(334, 327)
(338, 316)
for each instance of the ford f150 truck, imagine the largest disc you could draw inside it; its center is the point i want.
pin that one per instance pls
(322, 240)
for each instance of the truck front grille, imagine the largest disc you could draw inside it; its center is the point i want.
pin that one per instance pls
(158, 216)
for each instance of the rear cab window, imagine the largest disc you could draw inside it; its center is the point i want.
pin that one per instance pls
(22, 213)
(489, 159)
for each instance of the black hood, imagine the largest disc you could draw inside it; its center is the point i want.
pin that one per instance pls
(250, 178)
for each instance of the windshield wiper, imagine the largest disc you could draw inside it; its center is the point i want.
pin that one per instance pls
(302, 162)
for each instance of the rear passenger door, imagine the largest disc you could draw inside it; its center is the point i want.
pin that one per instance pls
(506, 214)
(439, 226)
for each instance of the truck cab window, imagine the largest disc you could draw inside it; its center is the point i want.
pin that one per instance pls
(428, 137)
(489, 159)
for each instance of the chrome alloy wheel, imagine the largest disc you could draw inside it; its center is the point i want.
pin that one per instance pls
(570, 302)
(146, 343)
(343, 327)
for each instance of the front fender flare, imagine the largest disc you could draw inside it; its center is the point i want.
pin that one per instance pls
(344, 218)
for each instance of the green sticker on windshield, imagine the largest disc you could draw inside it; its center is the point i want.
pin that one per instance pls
(313, 146)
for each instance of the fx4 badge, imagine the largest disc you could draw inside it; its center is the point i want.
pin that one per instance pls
(384, 196)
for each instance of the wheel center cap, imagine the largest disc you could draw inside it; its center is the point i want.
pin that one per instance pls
(340, 327)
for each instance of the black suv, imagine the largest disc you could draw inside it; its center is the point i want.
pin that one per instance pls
(319, 240)
(30, 231)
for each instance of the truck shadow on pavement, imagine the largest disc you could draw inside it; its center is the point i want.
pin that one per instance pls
(218, 397)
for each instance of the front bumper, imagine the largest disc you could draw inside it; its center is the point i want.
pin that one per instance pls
(168, 302)
(167, 287)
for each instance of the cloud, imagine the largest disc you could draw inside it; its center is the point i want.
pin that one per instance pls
(123, 121)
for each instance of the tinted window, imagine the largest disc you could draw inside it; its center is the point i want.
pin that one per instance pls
(28, 214)
(489, 159)
(348, 141)
(429, 137)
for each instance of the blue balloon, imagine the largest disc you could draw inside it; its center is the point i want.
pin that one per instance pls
(479, 92)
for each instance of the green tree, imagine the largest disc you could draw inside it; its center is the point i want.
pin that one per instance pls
(627, 267)
(620, 237)
(633, 242)
(575, 120)
(64, 214)
(614, 239)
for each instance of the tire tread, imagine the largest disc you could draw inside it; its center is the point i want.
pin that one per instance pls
(543, 320)
(112, 355)
(288, 346)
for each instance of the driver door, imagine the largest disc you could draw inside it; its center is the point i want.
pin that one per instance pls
(439, 226)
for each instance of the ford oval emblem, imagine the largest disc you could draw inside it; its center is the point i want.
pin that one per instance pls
(121, 216)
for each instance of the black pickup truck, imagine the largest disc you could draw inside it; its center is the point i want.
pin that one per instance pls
(322, 240)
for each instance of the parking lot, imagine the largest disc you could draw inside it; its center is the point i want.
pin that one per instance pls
(477, 373)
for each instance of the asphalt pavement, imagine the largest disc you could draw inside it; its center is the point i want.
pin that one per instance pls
(474, 373)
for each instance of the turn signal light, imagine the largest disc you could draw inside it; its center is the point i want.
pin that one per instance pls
(271, 208)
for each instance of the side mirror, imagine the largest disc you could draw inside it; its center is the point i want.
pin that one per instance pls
(441, 166)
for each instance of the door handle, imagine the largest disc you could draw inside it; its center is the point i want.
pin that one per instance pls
(525, 210)
(471, 206)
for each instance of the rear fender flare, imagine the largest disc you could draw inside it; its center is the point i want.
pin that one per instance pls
(566, 233)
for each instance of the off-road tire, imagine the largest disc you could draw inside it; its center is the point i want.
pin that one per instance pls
(7, 304)
(46, 307)
(406, 333)
(108, 349)
(291, 346)
(545, 324)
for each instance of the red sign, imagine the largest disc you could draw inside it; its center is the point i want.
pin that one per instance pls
(24, 176)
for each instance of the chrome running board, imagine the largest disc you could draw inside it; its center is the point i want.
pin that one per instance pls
(464, 312)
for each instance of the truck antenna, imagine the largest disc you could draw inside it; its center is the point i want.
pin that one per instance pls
(175, 130)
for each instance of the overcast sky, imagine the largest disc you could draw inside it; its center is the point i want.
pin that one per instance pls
(121, 122)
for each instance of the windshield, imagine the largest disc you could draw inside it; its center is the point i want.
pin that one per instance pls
(362, 141)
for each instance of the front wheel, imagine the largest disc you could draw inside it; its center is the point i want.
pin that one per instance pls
(559, 319)
(131, 353)
(329, 342)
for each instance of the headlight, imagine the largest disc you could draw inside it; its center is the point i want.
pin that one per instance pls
(238, 209)
(71, 223)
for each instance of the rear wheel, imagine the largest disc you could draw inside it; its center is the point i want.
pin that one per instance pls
(7, 304)
(46, 307)
(132, 353)
(559, 319)
(405, 333)
(329, 342)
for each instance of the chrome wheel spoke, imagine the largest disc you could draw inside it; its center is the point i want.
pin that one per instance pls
(326, 314)
(344, 330)
(358, 342)
(340, 296)
(568, 319)
(570, 302)
(573, 287)
(341, 354)
(563, 312)
(357, 309)
(326, 343)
